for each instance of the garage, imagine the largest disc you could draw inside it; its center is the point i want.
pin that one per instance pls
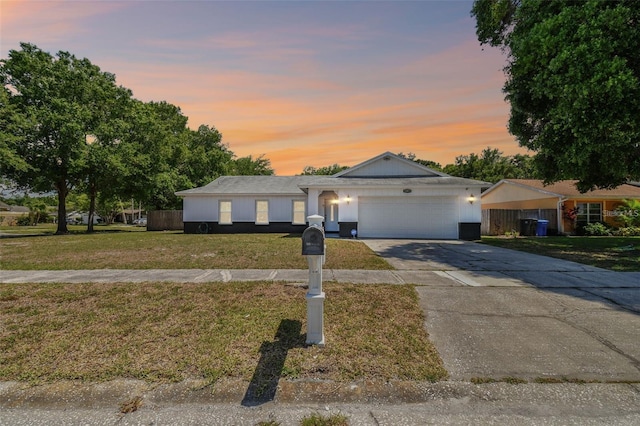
(408, 217)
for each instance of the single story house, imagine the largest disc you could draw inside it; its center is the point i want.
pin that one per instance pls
(568, 205)
(384, 197)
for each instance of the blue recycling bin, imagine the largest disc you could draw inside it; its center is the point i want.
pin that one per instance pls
(541, 228)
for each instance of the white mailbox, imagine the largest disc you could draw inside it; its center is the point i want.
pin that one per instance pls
(313, 246)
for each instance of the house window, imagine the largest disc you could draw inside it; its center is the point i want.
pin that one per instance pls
(224, 218)
(589, 212)
(262, 212)
(299, 216)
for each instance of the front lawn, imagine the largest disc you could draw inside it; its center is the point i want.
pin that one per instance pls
(122, 248)
(614, 253)
(172, 332)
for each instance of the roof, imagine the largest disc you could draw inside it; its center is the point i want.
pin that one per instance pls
(333, 182)
(413, 169)
(245, 185)
(404, 173)
(567, 189)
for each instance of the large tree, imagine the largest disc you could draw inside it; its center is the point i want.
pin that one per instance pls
(55, 103)
(573, 82)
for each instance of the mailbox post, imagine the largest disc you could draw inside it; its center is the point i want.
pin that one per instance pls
(313, 247)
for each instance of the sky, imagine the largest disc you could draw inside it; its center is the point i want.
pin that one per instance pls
(304, 83)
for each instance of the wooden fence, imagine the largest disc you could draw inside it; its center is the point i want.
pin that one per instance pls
(164, 220)
(498, 222)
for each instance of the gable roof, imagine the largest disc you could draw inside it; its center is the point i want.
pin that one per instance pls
(396, 167)
(567, 189)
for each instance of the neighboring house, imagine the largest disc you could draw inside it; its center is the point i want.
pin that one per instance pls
(10, 210)
(569, 206)
(384, 197)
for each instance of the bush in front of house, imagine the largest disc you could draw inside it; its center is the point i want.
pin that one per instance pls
(596, 229)
(627, 231)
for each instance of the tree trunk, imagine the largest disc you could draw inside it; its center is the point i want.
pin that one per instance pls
(62, 208)
(92, 207)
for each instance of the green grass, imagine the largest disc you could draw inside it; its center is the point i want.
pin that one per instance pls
(614, 253)
(172, 332)
(127, 248)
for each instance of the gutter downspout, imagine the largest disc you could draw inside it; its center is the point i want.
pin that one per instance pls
(559, 213)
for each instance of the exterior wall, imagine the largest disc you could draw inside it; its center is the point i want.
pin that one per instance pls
(204, 210)
(200, 209)
(607, 205)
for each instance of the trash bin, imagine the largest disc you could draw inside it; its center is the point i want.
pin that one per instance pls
(528, 227)
(541, 228)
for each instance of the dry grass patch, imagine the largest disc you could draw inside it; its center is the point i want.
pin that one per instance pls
(171, 332)
(175, 250)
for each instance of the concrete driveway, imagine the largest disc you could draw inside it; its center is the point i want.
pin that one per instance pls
(497, 313)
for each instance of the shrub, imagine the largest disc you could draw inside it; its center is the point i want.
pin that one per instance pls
(23, 221)
(628, 231)
(596, 229)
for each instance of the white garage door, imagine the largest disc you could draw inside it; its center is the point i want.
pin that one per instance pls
(408, 217)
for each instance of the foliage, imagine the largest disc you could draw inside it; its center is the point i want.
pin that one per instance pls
(326, 171)
(573, 81)
(627, 231)
(24, 220)
(427, 163)
(207, 157)
(11, 135)
(492, 166)
(595, 229)
(54, 102)
(66, 126)
(629, 212)
(318, 419)
(247, 166)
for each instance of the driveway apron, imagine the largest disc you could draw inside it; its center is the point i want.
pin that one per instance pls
(497, 314)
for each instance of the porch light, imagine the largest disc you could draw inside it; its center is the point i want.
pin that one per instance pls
(348, 199)
(471, 199)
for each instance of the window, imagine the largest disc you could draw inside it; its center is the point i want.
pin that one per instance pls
(224, 218)
(589, 212)
(299, 216)
(262, 212)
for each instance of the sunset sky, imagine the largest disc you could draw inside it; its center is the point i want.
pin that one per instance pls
(306, 83)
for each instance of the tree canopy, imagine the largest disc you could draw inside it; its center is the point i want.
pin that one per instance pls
(573, 82)
(53, 104)
(492, 166)
(326, 170)
(65, 126)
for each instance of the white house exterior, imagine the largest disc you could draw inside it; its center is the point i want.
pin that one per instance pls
(384, 197)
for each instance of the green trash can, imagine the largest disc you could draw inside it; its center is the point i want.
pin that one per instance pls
(528, 227)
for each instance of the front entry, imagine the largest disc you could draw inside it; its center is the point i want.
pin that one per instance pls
(331, 216)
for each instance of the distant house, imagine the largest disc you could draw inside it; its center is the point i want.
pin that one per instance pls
(566, 203)
(10, 210)
(384, 197)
